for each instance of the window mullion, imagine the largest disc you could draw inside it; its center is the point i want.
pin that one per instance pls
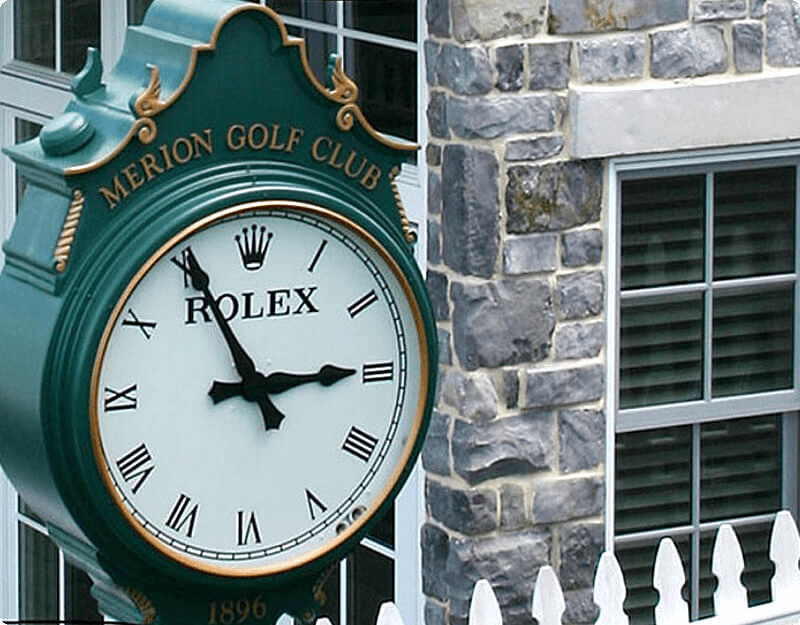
(709, 277)
(343, 585)
(57, 22)
(695, 504)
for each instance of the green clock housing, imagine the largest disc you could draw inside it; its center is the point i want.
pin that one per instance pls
(220, 354)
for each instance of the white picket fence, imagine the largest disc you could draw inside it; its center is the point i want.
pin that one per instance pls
(730, 598)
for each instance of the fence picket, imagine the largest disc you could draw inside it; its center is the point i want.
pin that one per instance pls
(610, 592)
(727, 564)
(389, 615)
(484, 608)
(784, 551)
(548, 600)
(668, 579)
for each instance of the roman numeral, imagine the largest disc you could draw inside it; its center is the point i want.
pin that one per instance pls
(120, 400)
(315, 506)
(246, 530)
(315, 260)
(183, 264)
(360, 444)
(377, 372)
(361, 303)
(136, 465)
(181, 514)
(145, 326)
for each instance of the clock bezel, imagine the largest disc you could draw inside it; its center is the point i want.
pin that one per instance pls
(381, 500)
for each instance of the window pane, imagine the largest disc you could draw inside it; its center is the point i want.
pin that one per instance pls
(754, 222)
(318, 11)
(391, 18)
(753, 341)
(653, 479)
(38, 576)
(319, 47)
(740, 471)
(35, 32)
(371, 583)
(662, 231)
(80, 605)
(80, 28)
(387, 86)
(23, 130)
(636, 561)
(330, 595)
(136, 10)
(383, 530)
(661, 351)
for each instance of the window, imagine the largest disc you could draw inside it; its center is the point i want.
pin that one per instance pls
(41, 43)
(705, 302)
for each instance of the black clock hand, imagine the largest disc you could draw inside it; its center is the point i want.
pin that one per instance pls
(252, 384)
(279, 382)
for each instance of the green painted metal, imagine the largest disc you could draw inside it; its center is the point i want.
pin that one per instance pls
(210, 105)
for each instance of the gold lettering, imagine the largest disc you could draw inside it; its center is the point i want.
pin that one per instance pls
(295, 134)
(235, 147)
(332, 160)
(133, 176)
(150, 166)
(315, 148)
(257, 145)
(113, 197)
(274, 143)
(181, 159)
(349, 162)
(370, 179)
(165, 153)
(199, 142)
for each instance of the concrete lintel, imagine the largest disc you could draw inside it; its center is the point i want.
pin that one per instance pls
(610, 121)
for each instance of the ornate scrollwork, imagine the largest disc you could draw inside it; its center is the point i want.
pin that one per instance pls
(409, 235)
(144, 605)
(67, 236)
(344, 89)
(146, 105)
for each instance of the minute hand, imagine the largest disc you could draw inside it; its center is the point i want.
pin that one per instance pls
(279, 382)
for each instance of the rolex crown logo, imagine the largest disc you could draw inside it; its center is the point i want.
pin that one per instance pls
(253, 246)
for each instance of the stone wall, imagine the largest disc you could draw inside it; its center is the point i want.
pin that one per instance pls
(515, 457)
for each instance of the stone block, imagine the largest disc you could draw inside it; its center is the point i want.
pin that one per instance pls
(435, 613)
(489, 117)
(748, 46)
(509, 561)
(478, 19)
(719, 9)
(511, 387)
(470, 216)
(560, 500)
(611, 58)
(437, 14)
(436, 450)
(502, 323)
(512, 507)
(509, 446)
(434, 545)
(530, 253)
(437, 284)
(698, 50)
(434, 193)
(561, 387)
(465, 70)
(533, 149)
(580, 608)
(553, 196)
(581, 546)
(548, 65)
(758, 8)
(437, 115)
(469, 512)
(445, 354)
(579, 340)
(509, 62)
(433, 155)
(580, 295)
(434, 240)
(584, 247)
(783, 33)
(431, 49)
(474, 396)
(592, 16)
(582, 439)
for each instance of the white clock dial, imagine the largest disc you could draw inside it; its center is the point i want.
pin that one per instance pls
(259, 388)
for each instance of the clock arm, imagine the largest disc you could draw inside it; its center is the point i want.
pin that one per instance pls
(279, 382)
(220, 391)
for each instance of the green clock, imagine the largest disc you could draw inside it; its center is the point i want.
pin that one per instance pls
(259, 388)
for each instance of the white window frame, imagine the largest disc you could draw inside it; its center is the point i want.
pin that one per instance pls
(38, 94)
(703, 411)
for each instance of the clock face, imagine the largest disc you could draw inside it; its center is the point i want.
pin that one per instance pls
(259, 388)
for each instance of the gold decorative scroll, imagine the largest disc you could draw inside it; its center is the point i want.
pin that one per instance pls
(148, 104)
(144, 605)
(67, 236)
(408, 233)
